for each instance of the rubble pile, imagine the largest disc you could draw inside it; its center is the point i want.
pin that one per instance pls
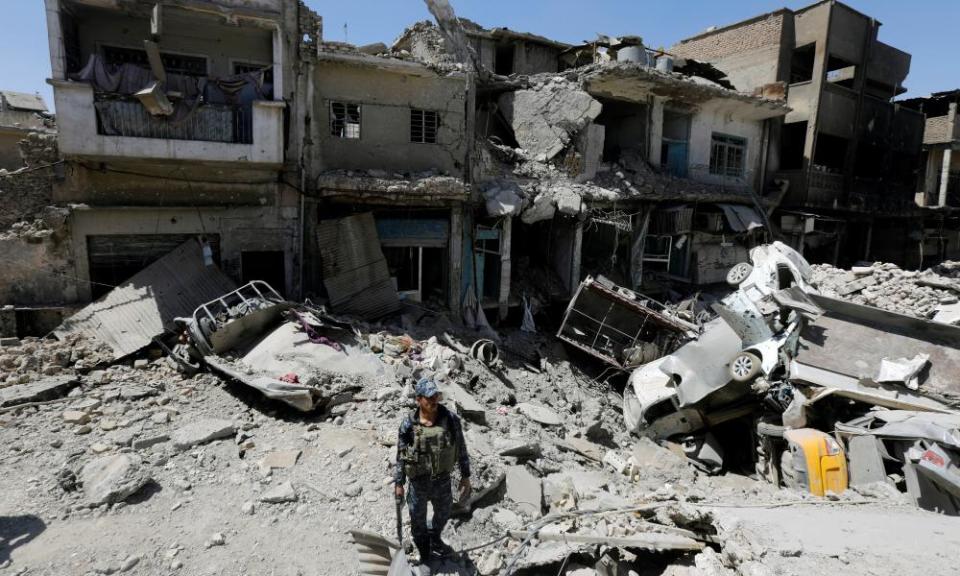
(34, 358)
(195, 472)
(889, 287)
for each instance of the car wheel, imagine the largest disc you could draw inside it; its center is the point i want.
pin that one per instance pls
(739, 273)
(745, 367)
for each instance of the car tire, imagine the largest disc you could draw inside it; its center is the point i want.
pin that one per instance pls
(739, 273)
(745, 367)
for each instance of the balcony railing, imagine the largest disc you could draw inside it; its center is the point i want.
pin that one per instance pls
(95, 126)
(206, 123)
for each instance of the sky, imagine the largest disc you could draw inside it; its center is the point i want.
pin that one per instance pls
(923, 28)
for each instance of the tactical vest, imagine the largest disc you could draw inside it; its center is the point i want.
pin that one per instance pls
(433, 451)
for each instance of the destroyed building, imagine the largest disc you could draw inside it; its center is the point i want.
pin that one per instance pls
(173, 123)
(849, 153)
(20, 115)
(247, 243)
(938, 192)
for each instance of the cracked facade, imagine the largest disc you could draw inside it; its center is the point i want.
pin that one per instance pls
(498, 165)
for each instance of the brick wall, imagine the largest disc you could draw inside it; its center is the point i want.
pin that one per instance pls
(735, 40)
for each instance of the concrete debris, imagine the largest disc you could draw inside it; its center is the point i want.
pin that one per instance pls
(280, 459)
(888, 287)
(539, 413)
(201, 432)
(281, 493)
(40, 391)
(111, 479)
(525, 490)
(547, 115)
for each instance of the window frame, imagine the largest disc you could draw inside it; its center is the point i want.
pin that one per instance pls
(721, 146)
(423, 126)
(344, 133)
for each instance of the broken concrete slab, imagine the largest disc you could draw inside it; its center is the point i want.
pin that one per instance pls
(525, 489)
(111, 479)
(75, 417)
(280, 493)
(201, 432)
(546, 117)
(280, 459)
(521, 449)
(539, 413)
(144, 443)
(865, 461)
(466, 404)
(134, 392)
(40, 391)
(583, 447)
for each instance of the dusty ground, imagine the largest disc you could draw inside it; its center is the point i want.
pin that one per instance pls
(201, 513)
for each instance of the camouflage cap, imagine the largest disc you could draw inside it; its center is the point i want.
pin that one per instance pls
(426, 388)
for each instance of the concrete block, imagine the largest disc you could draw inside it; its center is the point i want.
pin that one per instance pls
(526, 490)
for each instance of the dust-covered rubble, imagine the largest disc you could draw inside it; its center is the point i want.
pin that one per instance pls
(914, 293)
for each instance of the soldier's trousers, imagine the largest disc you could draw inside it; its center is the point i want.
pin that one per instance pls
(436, 491)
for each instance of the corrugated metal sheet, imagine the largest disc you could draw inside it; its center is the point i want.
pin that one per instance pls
(355, 271)
(21, 101)
(132, 314)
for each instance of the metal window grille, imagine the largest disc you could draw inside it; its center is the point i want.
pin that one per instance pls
(172, 63)
(727, 155)
(345, 120)
(423, 126)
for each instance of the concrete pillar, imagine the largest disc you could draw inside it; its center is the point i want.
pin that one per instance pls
(58, 60)
(504, 297)
(944, 176)
(455, 251)
(655, 131)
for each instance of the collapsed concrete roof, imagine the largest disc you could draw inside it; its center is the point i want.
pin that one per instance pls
(22, 101)
(634, 82)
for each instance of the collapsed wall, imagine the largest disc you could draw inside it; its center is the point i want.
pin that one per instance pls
(25, 192)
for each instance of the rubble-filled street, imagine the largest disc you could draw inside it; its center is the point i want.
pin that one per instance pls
(477, 302)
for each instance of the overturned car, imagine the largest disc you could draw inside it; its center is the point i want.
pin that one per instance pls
(767, 386)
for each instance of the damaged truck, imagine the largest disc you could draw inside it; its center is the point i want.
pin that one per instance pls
(789, 385)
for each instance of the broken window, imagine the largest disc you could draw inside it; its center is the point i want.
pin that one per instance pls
(247, 68)
(841, 72)
(727, 155)
(423, 126)
(801, 63)
(345, 120)
(172, 63)
(503, 60)
(830, 152)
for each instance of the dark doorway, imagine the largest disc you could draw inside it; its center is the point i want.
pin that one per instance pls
(503, 59)
(792, 139)
(267, 266)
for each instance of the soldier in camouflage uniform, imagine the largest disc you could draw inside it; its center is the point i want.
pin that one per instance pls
(429, 447)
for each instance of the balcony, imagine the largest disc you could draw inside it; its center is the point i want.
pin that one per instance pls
(119, 128)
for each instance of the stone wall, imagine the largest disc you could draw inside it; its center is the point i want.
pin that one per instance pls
(25, 192)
